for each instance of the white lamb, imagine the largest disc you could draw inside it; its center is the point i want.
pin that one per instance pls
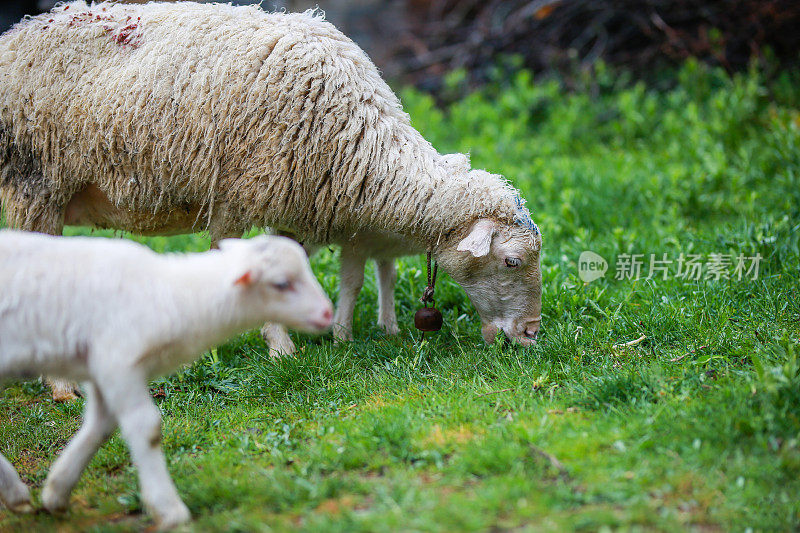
(113, 314)
(174, 117)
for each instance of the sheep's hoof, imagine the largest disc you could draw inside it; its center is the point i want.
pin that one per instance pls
(64, 395)
(276, 352)
(341, 335)
(390, 329)
(278, 340)
(63, 391)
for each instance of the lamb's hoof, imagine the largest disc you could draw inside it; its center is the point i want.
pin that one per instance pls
(175, 516)
(14, 494)
(21, 504)
(22, 508)
(53, 501)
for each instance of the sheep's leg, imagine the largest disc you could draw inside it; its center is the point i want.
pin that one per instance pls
(63, 390)
(139, 421)
(278, 340)
(65, 472)
(14, 493)
(386, 275)
(49, 220)
(217, 232)
(41, 215)
(351, 279)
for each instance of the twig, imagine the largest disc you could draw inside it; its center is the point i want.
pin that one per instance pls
(630, 343)
(552, 459)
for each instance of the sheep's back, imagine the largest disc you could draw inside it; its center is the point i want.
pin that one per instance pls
(165, 105)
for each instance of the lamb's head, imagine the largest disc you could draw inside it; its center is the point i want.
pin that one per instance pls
(275, 283)
(497, 264)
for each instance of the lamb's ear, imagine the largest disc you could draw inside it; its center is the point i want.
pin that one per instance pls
(247, 279)
(229, 244)
(479, 240)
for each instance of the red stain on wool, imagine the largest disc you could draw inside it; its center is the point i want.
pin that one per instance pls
(122, 33)
(128, 36)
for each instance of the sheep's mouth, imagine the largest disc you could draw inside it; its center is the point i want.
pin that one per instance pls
(515, 336)
(524, 339)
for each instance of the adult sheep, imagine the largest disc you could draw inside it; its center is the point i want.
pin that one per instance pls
(169, 118)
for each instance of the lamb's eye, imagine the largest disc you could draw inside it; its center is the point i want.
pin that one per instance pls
(513, 262)
(283, 286)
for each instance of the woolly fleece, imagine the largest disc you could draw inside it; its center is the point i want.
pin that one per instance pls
(212, 114)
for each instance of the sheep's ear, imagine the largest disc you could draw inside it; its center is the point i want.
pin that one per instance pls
(479, 240)
(246, 280)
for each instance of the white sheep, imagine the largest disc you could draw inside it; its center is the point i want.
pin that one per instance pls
(113, 314)
(169, 118)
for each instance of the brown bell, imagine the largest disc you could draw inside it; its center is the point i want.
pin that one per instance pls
(428, 319)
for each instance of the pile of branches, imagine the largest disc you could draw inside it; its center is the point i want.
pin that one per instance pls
(443, 35)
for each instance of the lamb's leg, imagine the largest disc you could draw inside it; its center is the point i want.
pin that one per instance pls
(351, 279)
(65, 472)
(139, 420)
(14, 493)
(386, 275)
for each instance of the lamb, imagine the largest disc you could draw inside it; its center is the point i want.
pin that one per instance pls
(172, 118)
(114, 314)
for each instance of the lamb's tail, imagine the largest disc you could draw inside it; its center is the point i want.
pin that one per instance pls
(14, 493)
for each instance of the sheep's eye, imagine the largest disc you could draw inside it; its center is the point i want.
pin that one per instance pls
(282, 286)
(513, 262)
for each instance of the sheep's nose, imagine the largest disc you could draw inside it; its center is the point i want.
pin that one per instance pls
(532, 327)
(327, 315)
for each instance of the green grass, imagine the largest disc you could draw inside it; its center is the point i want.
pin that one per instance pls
(695, 427)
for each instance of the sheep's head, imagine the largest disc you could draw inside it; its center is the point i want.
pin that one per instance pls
(276, 283)
(497, 264)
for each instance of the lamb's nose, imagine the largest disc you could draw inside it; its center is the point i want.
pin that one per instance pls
(323, 320)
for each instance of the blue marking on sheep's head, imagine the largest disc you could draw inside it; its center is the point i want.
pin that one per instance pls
(522, 217)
